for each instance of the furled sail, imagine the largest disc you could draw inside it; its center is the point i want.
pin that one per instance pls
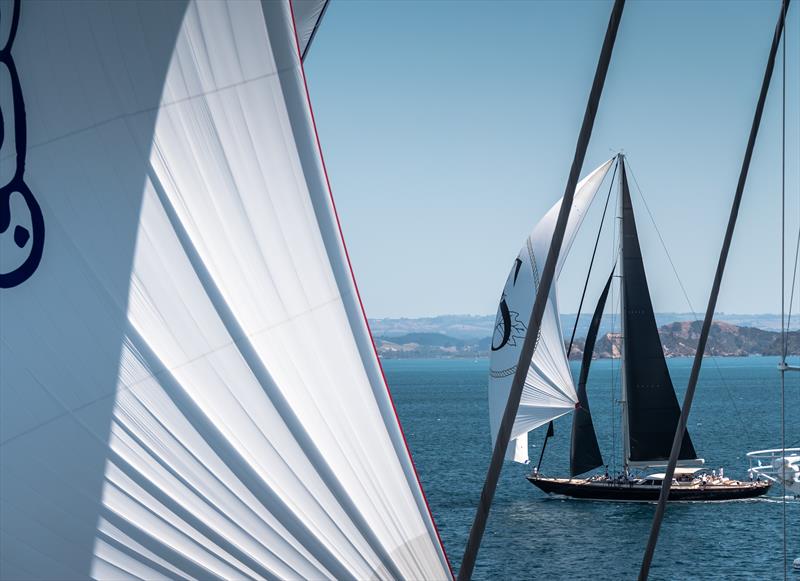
(189, 387)
(584, 451)
(651, 408)
(549, 391)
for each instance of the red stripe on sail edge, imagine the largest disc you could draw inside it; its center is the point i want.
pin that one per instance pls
(358, 293)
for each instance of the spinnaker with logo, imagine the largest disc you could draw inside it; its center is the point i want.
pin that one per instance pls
(189, 386)
(549, 390)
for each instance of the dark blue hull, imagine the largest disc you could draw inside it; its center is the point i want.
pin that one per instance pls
(637, 492)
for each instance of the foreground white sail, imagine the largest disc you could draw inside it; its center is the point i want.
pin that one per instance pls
(549, 390)
(189, 388)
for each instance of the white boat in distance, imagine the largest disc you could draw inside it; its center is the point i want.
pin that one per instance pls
(779, 466)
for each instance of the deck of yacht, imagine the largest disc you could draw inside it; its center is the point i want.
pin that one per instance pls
(647, 489)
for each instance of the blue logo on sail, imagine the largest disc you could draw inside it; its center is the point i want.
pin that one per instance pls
(21, 219)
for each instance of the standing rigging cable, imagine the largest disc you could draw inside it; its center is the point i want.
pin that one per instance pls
(550, 429)
(591, 262)
(712, 301)
(784, 330)
(542, 292)
(794, 281)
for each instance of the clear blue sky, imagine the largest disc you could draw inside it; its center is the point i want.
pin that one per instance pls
(449, 127)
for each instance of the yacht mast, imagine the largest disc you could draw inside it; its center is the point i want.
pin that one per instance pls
(626, 453)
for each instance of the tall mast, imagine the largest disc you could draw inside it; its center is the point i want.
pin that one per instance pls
(621, 262)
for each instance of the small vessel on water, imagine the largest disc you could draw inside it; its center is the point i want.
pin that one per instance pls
(780, 466)
(650, 409)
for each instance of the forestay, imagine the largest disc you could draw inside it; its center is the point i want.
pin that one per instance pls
(549, 391)
(189, 388)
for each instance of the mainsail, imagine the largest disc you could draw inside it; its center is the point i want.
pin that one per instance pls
(549, 390)
(189, 387)
(584, 450)
(651, 408)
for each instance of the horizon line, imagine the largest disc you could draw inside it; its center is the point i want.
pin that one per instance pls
(716, 313)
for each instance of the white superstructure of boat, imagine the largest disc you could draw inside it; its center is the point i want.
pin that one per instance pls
(781, 466)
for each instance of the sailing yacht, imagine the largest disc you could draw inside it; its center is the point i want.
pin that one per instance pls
(650, 408)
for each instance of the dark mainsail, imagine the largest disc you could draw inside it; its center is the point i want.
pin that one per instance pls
(652, 407)
(584, 451)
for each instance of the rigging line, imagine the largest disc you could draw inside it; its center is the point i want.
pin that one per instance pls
(663, 244)
(591, 262)
(712, 301)
(711, 356)
(796, 251)
(583, 296)
(783, 291)
(144, 110)
(542, 292)
(794, 280)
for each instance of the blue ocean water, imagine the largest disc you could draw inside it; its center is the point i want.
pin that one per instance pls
(443, 408)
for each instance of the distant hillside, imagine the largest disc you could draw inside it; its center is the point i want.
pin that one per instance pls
(423, 345)
(471, 327)
(725, 339)
(679, 339)
(457, 326)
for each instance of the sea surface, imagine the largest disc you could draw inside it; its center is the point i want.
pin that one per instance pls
(443, 409)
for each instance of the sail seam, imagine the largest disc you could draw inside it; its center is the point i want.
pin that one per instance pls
(158, 107)
(129, 386)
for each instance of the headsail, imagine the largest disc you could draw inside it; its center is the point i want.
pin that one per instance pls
(189, 388)
(549, 390)
(651, 408)
(584, 451)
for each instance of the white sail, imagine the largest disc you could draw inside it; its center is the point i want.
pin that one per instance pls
(549, 391)
(189, 388)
